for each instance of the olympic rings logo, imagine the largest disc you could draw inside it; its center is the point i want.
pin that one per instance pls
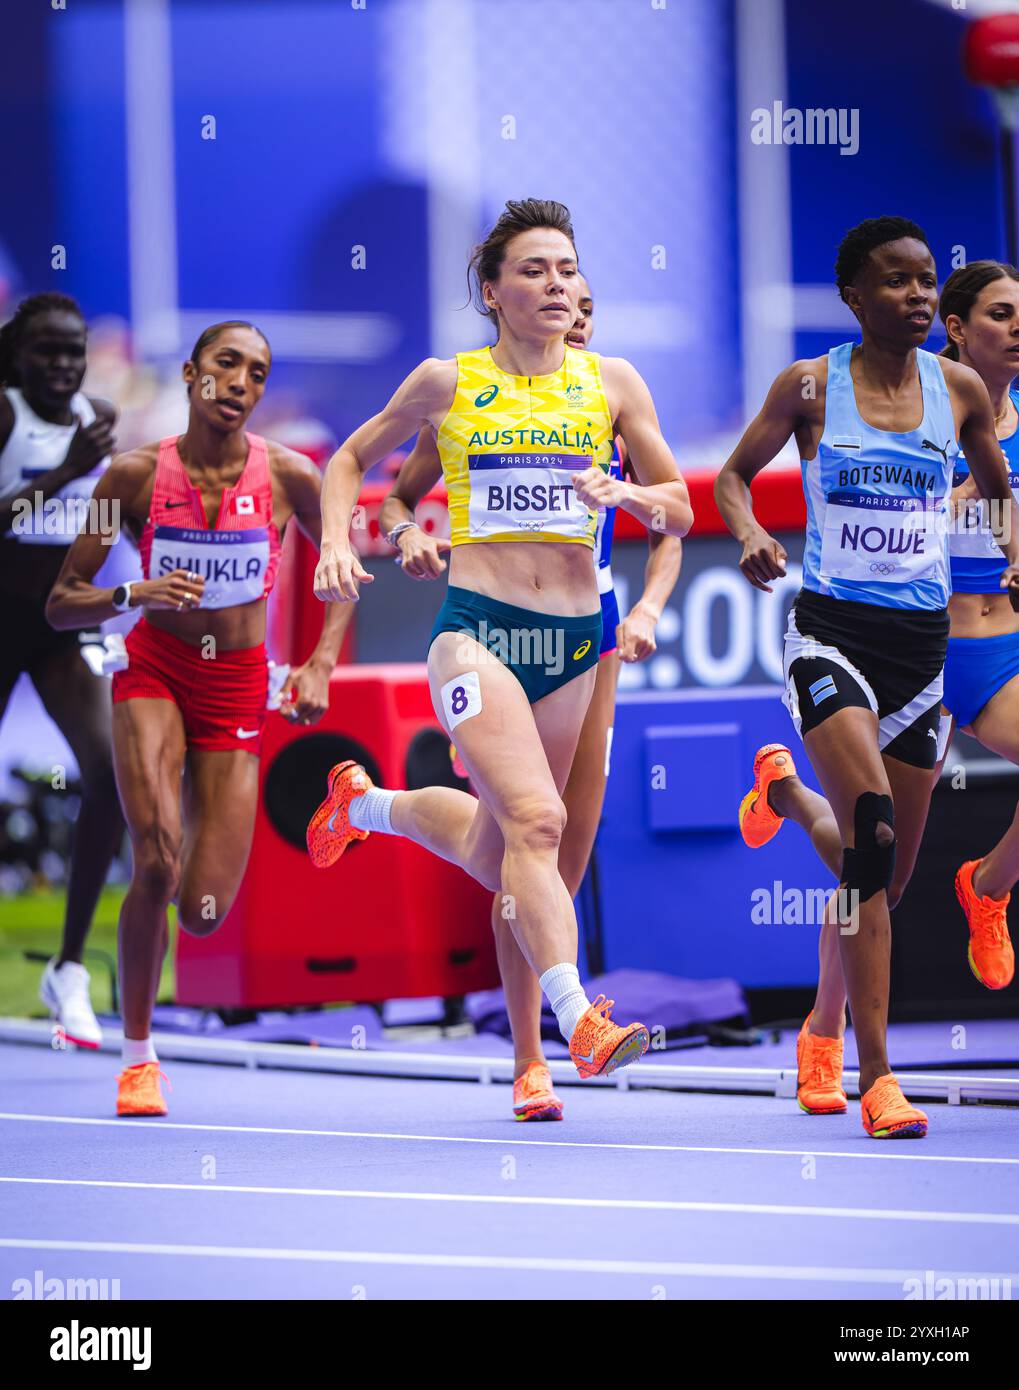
(881, 567)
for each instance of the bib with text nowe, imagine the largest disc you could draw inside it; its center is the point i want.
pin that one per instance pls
(873, 537)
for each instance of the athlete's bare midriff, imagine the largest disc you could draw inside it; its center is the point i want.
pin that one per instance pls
(231, 629)
(982, 615)
(548, 576)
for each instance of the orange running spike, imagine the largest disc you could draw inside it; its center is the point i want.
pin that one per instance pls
(599, 1046)
(330, 830)
(887, 1114)
(758, 823)
(139, 1092)
(991, 957)
(533, 1097)
(819, 1073)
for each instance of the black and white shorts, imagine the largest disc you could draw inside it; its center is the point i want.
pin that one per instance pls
(891, 660)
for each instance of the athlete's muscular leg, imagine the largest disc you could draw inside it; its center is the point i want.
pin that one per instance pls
(997, 728)
(911, 789)
(79, 704)
(148, 748)
(220, 805)
(512, 838)
(844, 754)
(911, 792)
(583, 796)
(797, 802)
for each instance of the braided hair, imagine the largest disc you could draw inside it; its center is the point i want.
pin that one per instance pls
(13, 331)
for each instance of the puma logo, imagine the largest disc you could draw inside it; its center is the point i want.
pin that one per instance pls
(929, 444)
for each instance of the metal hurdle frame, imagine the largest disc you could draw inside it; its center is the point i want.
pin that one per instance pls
(953, 1088)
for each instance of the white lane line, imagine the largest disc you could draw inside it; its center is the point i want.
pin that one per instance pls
(525, 1262)
(875, 1152)
(963, 1218)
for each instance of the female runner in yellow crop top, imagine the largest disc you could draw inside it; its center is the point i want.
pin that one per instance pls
(523, 431)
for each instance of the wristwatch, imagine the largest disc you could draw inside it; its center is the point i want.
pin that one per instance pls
(400, 527)
(122, 596)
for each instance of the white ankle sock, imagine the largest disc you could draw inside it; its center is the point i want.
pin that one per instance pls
(138, 1050)
(372, 811)
(563, 990)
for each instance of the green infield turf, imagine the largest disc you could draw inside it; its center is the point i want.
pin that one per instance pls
(34, 922)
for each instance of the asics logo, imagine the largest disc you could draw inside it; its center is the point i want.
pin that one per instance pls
(582, 650)
(487, 396)
(247, 733)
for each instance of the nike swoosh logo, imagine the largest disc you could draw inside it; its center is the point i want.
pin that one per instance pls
(586, 1056)
(247, 733)
(329, 823)
(168, 505)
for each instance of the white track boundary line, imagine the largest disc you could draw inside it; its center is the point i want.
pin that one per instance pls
(975, 1218)
(808, 1273)
(508, 1141)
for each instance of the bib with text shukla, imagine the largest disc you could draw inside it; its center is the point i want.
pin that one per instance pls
(232, 563)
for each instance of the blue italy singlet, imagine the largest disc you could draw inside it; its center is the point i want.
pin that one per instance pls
(877, 516)
(977, 561)
(604, 533)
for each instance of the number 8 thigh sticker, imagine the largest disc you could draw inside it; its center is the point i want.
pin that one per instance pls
(461, 697)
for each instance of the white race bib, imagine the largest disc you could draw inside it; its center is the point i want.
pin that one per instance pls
(461, 698)
(57, 519)
(971, 535)
(232, 563)
(885, 540)
(526, 492)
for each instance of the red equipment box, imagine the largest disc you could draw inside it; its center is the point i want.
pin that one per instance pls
(390, 920)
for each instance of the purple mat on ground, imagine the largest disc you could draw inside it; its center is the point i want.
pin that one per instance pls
(326, 1027)
(681, 1007)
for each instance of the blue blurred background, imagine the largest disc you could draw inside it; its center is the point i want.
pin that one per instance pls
(324, 167)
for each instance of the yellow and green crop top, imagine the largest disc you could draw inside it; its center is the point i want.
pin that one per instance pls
(510, 445)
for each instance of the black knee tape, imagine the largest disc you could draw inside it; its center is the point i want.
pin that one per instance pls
(869, 867)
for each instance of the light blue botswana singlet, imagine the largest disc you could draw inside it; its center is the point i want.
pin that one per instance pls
(877, 517)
